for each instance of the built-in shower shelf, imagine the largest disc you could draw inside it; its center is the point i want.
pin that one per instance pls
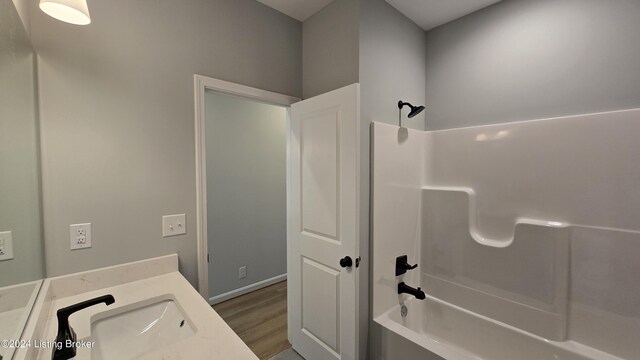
(521, 280)
(475, 233)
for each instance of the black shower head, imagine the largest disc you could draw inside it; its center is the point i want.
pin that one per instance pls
(415, 110)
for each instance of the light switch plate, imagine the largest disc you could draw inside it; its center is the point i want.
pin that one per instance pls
(6, 246)
(80, 236)
(173, 225)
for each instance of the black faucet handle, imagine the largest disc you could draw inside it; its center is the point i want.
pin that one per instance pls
(64, 313)
(402, 265)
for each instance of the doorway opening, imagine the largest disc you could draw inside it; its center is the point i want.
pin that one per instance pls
(321, 197)
(242, 157)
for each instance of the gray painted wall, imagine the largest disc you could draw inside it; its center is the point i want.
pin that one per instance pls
(118, 121)
(19, 149)
(22, 6)
(391, 67)
(246, 191)
(392, 64)
(528, 59)
(330, 48)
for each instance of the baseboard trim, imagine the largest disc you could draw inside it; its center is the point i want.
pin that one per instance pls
(246, 289)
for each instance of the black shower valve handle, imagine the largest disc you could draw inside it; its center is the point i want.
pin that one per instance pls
(402, 265)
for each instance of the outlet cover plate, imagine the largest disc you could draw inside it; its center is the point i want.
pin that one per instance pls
(80, 236)
(6, 246)
(173, 225)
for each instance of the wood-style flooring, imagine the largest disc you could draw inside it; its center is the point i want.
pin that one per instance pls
(259, 318)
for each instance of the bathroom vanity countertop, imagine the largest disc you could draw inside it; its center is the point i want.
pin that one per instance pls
(213, 338)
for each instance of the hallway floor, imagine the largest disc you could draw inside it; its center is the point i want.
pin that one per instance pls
(260, 319)
(288, 354)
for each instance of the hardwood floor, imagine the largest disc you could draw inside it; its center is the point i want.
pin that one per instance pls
(260, 319)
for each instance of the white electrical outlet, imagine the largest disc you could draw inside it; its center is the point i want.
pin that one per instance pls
(173, 225)
(80, 236)
(6, 246)
(242, 272)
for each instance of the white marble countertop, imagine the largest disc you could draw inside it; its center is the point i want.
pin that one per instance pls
(213, 339)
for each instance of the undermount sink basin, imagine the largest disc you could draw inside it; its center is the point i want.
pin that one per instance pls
(131, 331)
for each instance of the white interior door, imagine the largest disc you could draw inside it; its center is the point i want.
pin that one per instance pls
(324, 225)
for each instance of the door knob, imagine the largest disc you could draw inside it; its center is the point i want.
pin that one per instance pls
(346, 262)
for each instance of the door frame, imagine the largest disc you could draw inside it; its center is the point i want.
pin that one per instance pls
(201, 85)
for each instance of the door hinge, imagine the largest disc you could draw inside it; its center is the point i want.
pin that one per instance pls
(207, 257)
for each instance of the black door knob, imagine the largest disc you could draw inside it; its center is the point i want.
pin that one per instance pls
(346, 262)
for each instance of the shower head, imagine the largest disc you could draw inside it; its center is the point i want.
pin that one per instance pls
(415, 110)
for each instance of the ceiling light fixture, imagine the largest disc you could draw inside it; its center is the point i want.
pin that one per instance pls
(71, 11)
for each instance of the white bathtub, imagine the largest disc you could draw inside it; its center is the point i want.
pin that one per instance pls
(456, 334)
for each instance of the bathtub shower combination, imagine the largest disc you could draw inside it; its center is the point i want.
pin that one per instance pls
(526, 236)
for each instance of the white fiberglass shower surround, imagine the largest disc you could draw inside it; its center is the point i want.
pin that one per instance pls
(526, 237)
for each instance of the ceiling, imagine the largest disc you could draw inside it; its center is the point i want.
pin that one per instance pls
(431, 13)
(298, 9)
(426, 13)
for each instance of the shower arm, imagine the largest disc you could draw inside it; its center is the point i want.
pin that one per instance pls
(401, 104)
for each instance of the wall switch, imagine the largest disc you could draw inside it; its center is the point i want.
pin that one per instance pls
(6, 246)
(173, 225)
(80, 236)
(242, 272)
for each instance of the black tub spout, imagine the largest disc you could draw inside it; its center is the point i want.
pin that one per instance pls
(406, 289)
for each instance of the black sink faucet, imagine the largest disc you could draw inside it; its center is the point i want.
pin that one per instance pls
(65, 340)
(406, 289)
